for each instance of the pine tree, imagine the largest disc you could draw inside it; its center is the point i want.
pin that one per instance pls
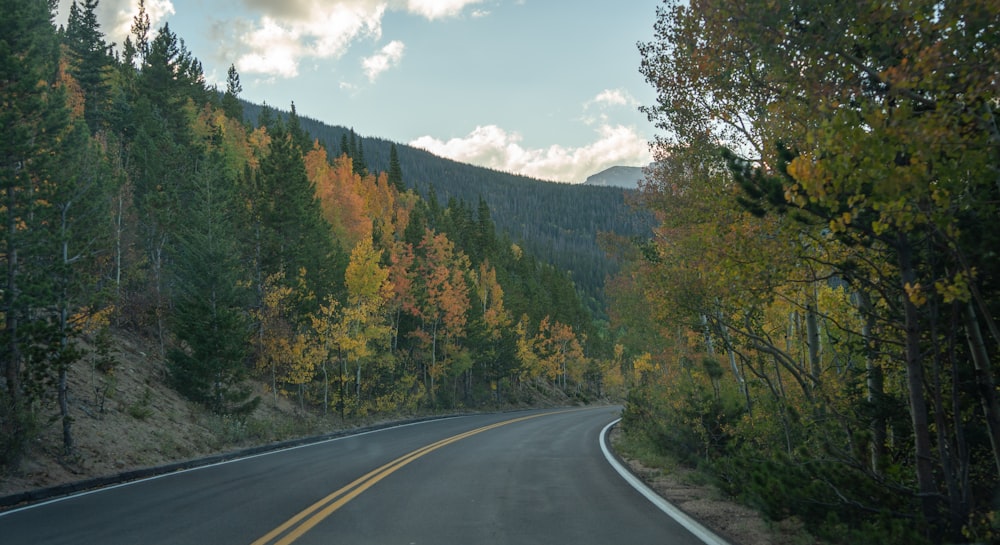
(208, 318)
(91, 61)
(33, 118)
(76, 234)
(299, 136)
(230, 101)
(395, 170)
(163, 156)
(140, 29)
(360, 165)
(345, 147)
(294, 235)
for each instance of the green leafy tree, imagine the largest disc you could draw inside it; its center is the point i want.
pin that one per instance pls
(869, 133)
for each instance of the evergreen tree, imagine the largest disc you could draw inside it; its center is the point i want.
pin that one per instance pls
(91, 61)
(395, 170)
(163, 158)
(137, 50)
(76, 234)
(230, 101)
(170, 77)
(208, 318)
(345, 147)
(294, 235)
(359, 163)
(485, 230)
(33, 118)
(299, 136)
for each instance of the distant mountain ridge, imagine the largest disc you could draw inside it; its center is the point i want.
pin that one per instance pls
(618, 176)
(558, 223)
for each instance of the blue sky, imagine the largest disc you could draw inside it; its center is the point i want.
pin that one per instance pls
(546, 88)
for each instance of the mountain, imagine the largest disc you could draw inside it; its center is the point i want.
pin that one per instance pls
(627, 177)
(557, 222)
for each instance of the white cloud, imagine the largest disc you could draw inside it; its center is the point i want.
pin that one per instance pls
(493, 147)
(389, 56)
(116, 16)
(613, 97)
(274, 50)
(438, 9)
(283, 33)
(595, 110)
(290, 31)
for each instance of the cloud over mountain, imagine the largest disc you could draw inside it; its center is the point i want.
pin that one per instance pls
(493, 147)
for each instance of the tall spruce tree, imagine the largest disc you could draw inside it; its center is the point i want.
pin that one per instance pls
(208, 364)
(33, 118)
(395, 170)
(230, 101)
(294, 236)
(163, 156)
(91, 62)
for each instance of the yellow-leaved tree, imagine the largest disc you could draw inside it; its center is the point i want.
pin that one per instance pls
(366, 324)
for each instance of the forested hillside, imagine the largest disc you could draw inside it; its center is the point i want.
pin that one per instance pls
(560, 223)
(137, 199)
(815, 320)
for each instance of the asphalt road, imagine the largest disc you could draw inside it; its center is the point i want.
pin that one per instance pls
(517, 478)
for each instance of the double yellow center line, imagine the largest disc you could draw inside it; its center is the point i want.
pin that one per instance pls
(295, 527)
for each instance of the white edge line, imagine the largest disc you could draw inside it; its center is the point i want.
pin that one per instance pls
(224, 462)
(682, 518)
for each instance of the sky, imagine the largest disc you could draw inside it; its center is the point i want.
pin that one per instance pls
(546, 88)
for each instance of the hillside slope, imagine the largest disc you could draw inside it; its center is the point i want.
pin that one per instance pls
(558, 222)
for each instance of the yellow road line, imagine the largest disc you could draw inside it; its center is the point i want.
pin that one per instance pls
(331, 503)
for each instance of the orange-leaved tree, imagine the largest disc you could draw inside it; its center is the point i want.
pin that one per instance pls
(441, 303)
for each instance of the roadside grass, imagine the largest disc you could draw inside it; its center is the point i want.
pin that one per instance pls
(694, 491)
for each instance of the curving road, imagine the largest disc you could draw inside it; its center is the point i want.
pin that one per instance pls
(518, 478)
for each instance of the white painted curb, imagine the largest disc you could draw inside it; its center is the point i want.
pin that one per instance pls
(682, 518)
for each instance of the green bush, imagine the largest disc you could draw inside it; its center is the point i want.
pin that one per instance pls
(18, 426)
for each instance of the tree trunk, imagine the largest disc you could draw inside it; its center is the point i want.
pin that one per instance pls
(119, 233)
(160, 310)
(67, 420)
(812, 339)
(923, 450)
(875, 384)
(12, 354)
(326, 389)
(984, 379)
(343, 394)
